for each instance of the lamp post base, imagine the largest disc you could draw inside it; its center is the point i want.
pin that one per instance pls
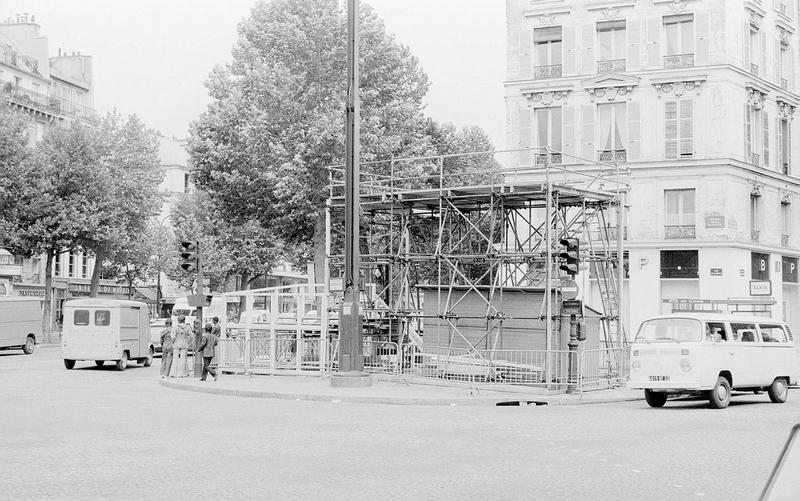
(351, 379)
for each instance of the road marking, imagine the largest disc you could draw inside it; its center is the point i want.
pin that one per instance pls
(636, 471)
(677, 486)
(699, 493)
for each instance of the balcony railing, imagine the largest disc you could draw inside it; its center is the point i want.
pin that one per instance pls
(611, 66)
(784, 83)
(42, 102)
(545, 72)
(754, 69)
(784, 240)
(679, 61)
(755, 159)
(785, 168)
(541, 158)
(612, 155)
(679, 232)
(754, 235)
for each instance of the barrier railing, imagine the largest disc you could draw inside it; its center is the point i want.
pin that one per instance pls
(603, 368)
(229, 356)
(379, 356)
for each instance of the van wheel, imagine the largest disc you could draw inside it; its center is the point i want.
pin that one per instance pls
(778, 391)
(30, 344)
(99, 363)
(655, 398)
(69, 364)
(122, 363)
(720, 396)
(147, 362)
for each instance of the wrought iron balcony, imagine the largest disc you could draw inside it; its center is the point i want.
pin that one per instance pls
(785, 168)
(611, 66)
(541, 158)
(755, 159)
(612, 155)
(545, 72)
(754, 69)
(44, 103)
(679, 232)
(679, 61)
(754, 235)
(784, 240)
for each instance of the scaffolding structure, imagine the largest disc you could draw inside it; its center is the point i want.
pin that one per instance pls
(462, 225)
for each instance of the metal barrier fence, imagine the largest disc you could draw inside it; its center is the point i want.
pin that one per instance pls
(383, 357)
(230, 356)
(603, 368)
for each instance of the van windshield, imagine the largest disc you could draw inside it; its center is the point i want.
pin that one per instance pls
(176, 312)
(678, 330)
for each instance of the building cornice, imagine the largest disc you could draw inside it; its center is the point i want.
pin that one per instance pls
(677, 85)
(545, 96)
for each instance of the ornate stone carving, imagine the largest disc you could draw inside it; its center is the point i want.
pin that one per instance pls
(786, 198)
(611, 93)
(678, 88)
(756, 189)
(547, 97)
(785, 36)
(785, 110)
(755, 98)
(755, 20)
(546, 19)
(610, 13)
(678, 6)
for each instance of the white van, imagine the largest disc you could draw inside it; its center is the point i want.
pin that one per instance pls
(218, 308)
(710, 355)
(20, 323)
(106, 329)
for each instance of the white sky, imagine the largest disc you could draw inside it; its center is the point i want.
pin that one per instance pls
(152, 57)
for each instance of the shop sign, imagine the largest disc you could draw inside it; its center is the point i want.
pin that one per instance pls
(35, 293)
(789, 269)
(716, 272)
(760, 266)
(760, 288)
(715, 220)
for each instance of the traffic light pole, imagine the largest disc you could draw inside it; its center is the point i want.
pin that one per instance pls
(198, 334)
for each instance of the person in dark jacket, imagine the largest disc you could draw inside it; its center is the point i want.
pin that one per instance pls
(207, 345)
(166, 348)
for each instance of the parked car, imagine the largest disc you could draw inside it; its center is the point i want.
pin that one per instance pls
(155, 332)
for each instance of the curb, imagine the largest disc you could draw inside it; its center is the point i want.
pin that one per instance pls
(310, 397)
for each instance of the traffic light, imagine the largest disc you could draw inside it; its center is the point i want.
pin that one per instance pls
(570, 255)
(190, 255)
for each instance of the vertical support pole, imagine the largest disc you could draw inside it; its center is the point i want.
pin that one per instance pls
(620, 266)
(351, 361)
(548, 320)
(198, 334)
(326, 289)
(274, 307)
(572, 380)
(248, 348)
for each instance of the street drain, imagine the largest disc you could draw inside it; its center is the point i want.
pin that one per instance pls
(520, 403)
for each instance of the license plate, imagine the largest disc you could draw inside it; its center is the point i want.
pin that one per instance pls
(659, 378)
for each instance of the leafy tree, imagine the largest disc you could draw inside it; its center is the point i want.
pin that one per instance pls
(127, 154)
(13, 153)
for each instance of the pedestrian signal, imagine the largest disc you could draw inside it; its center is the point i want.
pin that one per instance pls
(570, 255)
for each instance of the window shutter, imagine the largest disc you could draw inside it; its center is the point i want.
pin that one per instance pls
(570, 51)
(686, 126)
(525, 133)
(569, 133)
(634, 131)
(654, 43)
(746, 46)
(671, 129)
(587, 131)
(525, 47)
(790, 73)
(777, 63)
(763, 71)
(779, 145)
(766, 139)
(634, 33)
(701, 27)
(747, 147)
(788, 155)
(587, 53)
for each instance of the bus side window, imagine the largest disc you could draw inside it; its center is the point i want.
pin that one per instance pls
(772, 333)
(744, 333)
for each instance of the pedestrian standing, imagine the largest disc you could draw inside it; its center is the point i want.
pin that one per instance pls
(180, 348)
(206, 347)
(166, 348)
(216, 328)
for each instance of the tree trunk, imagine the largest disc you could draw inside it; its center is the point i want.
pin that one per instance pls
(47, 314)
(245, 285)
(99, 256)
(319, 248)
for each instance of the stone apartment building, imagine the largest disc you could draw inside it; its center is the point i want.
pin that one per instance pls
(696, 98)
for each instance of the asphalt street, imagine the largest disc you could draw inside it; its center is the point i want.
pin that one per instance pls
(95, 433)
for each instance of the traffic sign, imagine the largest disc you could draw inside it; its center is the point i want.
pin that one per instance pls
(569, 288)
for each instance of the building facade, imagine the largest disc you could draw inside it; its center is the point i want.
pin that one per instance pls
(696, 99)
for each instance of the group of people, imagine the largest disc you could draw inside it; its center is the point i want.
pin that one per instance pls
(175, 347)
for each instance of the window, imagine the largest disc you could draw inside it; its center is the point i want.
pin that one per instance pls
(80, 317)
(84, 265)
(786, 223)
(783, 66)
(102, 317)
(754, 219)
(744, 333)
(772, 333)
(611, 49)
(679, 34)
(756, 133)
(547, 127)
(679, 264)
(715, 332)
(755, 51)
(679, 211)
(57, 265)
(759, 264)
(679, 129)
(71, 267)
(186, 183)
(784, 146)
(611, 122)
(547, 52)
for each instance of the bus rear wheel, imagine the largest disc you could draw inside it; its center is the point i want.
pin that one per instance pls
(778, 391)
(655, 398)
(122, 363)
(720, 396)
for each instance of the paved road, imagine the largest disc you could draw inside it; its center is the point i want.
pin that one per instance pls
(94, 433)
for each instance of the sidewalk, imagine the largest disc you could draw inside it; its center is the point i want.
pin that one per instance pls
(388, 389)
